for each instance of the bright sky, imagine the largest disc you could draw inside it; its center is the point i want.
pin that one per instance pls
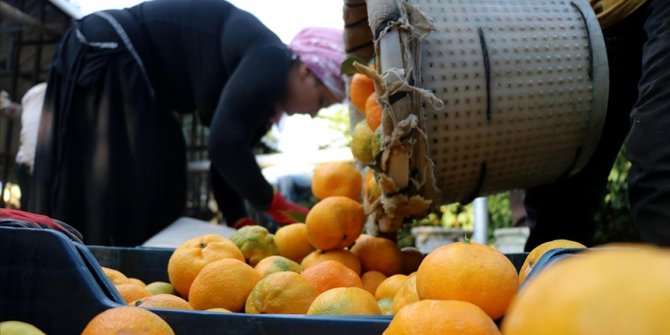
(284, 17)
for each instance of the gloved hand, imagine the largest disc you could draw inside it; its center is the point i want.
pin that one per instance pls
(280, 206)
(16, 218)
(245, 221)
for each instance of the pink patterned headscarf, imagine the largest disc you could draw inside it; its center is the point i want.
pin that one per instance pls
(322, 51)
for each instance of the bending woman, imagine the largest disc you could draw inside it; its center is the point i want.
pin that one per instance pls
(110, 159)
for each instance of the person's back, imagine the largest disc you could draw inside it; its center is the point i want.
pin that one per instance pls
(111, 156)
(196, 45)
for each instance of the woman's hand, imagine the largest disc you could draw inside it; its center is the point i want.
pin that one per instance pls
(280, 206)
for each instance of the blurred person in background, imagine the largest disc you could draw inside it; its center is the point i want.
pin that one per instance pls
(31, 111)
(110, 158)
(637, 37)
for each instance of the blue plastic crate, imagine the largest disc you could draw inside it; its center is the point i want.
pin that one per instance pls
(551, 257)
(58, 286)
(45, 281)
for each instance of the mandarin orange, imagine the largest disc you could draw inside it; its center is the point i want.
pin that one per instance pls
(330, 274)
(335, 223)
(127, 320)
(469, 272)
(224, 283)
(439, 317)
(192, 255)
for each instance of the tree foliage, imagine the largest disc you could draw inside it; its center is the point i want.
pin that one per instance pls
(614, 222)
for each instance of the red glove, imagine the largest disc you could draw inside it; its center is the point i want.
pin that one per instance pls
(245, 221)
(16, 218)
(280, 207)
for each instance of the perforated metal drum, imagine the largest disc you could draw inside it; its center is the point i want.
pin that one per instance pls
(482, 96)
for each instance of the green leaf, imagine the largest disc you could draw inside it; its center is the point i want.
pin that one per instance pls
(347, 67)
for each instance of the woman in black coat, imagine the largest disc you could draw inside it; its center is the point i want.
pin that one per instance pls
(110, 159)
